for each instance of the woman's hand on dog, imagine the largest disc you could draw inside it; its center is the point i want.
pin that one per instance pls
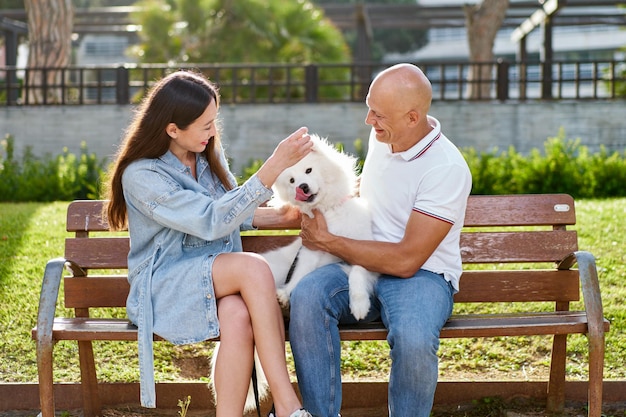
(289, 151)
(291, 214)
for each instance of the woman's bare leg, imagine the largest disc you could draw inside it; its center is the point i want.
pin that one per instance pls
(233, 365)
(249, 275)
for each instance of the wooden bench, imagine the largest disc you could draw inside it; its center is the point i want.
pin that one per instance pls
(498, 232)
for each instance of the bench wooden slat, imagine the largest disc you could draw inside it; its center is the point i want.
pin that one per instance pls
(84, 215)
(96, 291)
(524, 246)
(265, 243)
(476, 247)
(496, 325)
(520, 210)
(98, 253)
(112, 252)
(82, 328)
(478, 325)
(522, 324)
(476, 286)
(518, 286)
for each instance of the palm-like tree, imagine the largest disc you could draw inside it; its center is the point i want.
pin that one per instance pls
(243, 32)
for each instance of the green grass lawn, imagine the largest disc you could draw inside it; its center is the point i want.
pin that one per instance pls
(32, 233)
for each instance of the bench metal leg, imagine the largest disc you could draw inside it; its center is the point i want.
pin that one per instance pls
(596, 369)
(593, 305)
(556, 386)
(89, 380)
(46, 384)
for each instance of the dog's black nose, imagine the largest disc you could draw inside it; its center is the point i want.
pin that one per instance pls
(304, 187)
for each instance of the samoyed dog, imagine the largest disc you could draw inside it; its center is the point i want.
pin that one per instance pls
(325, 180)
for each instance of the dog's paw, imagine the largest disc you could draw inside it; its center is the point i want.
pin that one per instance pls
(359, 307)
(283, 297)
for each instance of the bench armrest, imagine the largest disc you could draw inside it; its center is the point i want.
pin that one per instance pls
(48, 298)
(590, 287)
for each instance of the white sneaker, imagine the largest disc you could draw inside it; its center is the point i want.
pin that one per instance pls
(298, 413)
(301, 413)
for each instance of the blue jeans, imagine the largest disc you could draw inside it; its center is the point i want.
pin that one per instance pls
(414, 310)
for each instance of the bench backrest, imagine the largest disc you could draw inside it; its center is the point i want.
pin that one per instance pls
(507, 229)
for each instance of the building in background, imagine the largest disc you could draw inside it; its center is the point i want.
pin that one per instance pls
(580, 42)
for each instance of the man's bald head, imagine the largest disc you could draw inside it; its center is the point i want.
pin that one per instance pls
(398, 101)
(408, 85)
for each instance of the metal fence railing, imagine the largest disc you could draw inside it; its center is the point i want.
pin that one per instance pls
(317, 83)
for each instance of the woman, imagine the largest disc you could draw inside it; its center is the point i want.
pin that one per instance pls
(189, 279)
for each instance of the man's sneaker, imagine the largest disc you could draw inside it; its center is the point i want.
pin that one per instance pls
(298, 413)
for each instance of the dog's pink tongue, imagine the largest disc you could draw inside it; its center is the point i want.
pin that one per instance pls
(301, 195)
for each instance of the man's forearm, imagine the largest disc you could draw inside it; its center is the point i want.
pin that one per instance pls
(383, 257)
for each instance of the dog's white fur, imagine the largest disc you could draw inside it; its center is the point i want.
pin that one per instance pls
(325, 180)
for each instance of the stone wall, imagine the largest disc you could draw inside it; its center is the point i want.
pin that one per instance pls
(251, 131)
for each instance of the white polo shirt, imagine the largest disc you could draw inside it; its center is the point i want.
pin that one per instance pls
(432, 178)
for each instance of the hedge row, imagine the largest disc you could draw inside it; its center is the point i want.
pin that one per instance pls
(564, 166)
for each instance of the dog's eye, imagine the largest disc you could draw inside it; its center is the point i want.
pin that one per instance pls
(291, 180)
(309, 170)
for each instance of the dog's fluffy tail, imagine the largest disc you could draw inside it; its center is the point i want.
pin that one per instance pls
(262, 385)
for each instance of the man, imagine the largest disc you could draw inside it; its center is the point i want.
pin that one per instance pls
(416, 183)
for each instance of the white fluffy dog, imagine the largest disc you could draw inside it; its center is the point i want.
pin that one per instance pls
(325, 179)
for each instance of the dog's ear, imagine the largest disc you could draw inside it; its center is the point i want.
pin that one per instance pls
(316, 142)
(322, 145)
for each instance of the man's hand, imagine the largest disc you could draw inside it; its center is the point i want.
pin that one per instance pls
(314, 231)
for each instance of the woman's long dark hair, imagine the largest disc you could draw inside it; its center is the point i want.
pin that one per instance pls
(179, 98)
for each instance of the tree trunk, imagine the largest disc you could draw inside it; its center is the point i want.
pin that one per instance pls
(50, 25)
(483, 21)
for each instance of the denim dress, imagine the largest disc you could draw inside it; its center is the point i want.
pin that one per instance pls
(177, 226)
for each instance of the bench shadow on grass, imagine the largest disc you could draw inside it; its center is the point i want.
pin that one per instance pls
(25, 247)
(14, 222)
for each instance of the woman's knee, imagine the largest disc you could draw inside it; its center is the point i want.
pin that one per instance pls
(234, 317)
(233, 272)
(259, 269)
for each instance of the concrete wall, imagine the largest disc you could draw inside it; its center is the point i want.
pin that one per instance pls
(251, 131)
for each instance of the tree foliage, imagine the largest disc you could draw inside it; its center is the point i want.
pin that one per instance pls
(222, 31)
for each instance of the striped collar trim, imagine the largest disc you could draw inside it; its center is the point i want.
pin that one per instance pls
(425, 143)
(425, 148)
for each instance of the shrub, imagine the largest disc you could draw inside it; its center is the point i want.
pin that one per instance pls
(62, 178)
(564, 166)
